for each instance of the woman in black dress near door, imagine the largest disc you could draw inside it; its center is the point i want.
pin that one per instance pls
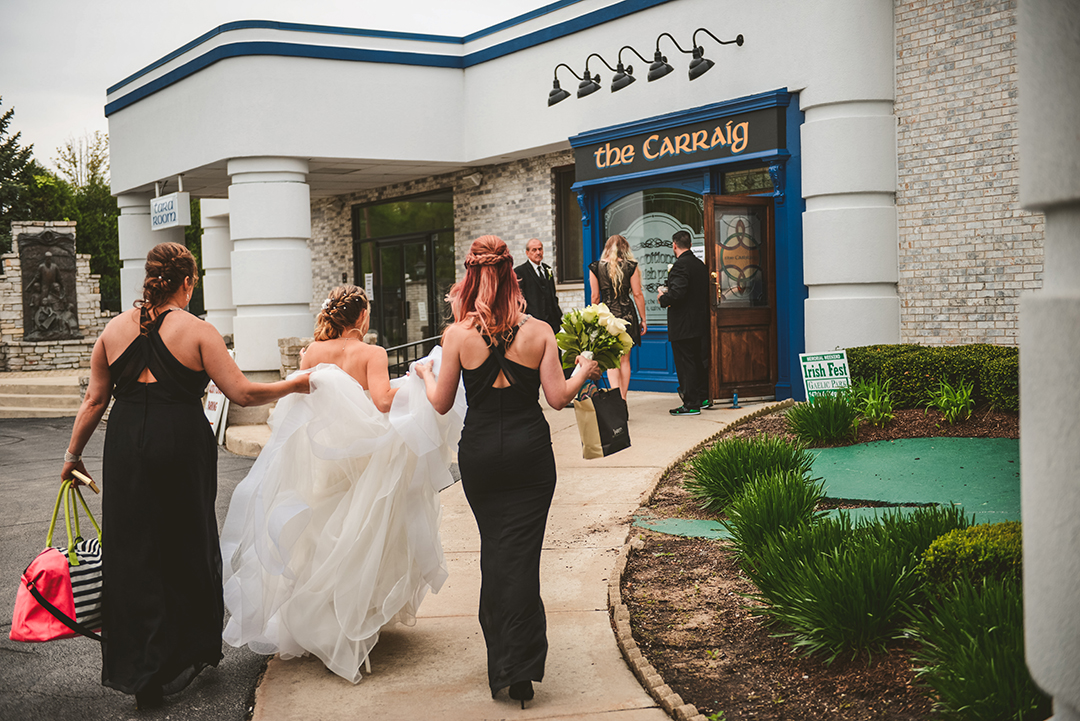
(162, 604)
(507, 467)
(615, 279)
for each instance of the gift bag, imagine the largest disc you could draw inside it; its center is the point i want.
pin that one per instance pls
(602, 421)
(60, 591)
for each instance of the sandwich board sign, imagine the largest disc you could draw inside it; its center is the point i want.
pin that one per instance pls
(824, 372)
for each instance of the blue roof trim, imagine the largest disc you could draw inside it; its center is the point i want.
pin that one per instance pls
(291, 27)
(777, 154)
(702, 113)
(293, 50)
(569, 27)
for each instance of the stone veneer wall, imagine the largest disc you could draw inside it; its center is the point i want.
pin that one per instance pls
(967, 250)
(515, 201)
(16, 355)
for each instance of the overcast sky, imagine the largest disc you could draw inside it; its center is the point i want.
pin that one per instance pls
(57, 57)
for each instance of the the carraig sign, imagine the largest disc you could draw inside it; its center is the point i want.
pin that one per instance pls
(170, 211)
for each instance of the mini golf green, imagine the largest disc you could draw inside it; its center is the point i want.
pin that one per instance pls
(980, 474)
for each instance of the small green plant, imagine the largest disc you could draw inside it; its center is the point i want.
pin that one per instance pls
(718, 716)
(955, 403)
(972, 652)
(985, 551)
(717, 474)
(826, 418)
(873, 400)
(768, 505)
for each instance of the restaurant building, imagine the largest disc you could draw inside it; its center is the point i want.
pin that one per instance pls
(847, 169)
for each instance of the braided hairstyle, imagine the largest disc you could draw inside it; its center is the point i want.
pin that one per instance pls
(340, 311)
(489, 295)
(167, 266)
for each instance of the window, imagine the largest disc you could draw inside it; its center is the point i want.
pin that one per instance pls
(569, 259)
(754, 180)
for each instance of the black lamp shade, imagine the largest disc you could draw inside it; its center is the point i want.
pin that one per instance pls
(557, 94)
(621, 80)
(700, 66)
(659, 67)
(588, 86)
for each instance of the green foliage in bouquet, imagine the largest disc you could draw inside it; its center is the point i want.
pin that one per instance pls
(595, 330)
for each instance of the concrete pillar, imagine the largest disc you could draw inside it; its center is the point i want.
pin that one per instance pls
(135, 240)
(270, 223)
(850, 260)
(1049, 54)
(217, 265)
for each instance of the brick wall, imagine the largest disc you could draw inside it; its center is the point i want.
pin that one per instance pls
(515, 201)
(967, 251)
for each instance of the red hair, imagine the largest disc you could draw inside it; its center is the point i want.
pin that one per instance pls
(489, 295)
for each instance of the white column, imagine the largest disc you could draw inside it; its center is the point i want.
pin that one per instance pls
(270, 223)
(135, 240)
(849, 228)
(217, 265)
(1049, 54)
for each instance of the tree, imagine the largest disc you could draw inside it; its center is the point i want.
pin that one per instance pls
(15, 178)
(85, 160)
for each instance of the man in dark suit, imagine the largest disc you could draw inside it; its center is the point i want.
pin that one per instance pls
(686, 297)
(538, 286)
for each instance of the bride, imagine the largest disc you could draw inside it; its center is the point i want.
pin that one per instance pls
(334, 533)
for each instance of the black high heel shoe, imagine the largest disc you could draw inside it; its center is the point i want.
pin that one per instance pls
(150, 697)
(521, 691)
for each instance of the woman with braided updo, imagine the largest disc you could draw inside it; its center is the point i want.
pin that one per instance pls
(507, 467)
(162, 600)
(335, 532)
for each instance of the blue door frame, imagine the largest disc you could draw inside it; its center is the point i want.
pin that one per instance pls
(652, 365)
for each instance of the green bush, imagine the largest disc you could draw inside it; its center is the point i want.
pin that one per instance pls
(915, 371)
(768, 505)
(987, 551)
(972, 652)
(955, 403)
(717, 474)
(873, 401)
(844, 587)
(824, 419)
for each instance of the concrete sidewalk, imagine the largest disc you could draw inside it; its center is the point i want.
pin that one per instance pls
(437, 668)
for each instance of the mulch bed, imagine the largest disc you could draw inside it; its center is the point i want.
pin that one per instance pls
(691, 619)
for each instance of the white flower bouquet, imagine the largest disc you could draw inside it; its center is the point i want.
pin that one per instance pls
(595, 333)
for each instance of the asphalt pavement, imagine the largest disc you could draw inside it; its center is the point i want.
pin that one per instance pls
(61, 680)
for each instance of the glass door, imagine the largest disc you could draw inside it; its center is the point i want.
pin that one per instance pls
(739, 252)
(402, 310)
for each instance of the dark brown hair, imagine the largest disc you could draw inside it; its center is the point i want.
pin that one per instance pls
(167, 265)
(342, 308)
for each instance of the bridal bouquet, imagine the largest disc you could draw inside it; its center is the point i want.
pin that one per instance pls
(595, 333)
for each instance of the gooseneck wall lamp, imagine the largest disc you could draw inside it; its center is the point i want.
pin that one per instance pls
(624, 74)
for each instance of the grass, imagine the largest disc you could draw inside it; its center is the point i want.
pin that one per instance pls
(718, 474)
(825, 419)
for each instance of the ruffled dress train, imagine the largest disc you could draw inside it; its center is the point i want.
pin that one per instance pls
(334, 533)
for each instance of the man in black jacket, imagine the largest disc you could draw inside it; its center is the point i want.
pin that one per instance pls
(686, 297)
(538, 286)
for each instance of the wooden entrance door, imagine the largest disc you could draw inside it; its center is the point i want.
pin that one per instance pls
(740, 255)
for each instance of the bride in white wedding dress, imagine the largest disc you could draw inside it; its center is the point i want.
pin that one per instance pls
(335, 531)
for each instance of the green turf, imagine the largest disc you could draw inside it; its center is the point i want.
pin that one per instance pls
(980, 474)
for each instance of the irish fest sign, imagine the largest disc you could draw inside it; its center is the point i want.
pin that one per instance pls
(733, 136)
(824, 372)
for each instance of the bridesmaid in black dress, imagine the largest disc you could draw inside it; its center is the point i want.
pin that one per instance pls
(615, 279)
(507, 467)
(162, 603)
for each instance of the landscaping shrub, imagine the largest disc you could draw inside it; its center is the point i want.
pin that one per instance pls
(873, 401)
(844, 587)
(768, 505)
(955, 403)
(987, 551)
(717, 474)
(972, 652)
(827, 418)
(915, 371)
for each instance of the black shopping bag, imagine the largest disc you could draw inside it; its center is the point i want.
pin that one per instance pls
(602, 424)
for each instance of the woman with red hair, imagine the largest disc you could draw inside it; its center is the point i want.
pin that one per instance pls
(507, 466)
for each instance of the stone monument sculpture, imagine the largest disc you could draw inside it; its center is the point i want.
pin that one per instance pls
(50, 302)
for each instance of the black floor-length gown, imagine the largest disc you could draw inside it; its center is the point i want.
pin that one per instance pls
(163, 608)
(508, 474)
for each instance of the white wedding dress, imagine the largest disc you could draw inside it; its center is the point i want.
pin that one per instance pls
(334, 533)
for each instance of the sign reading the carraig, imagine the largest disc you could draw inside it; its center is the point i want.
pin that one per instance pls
(752, 132)
(170, 211)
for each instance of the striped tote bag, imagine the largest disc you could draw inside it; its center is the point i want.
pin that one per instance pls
(60, 591)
